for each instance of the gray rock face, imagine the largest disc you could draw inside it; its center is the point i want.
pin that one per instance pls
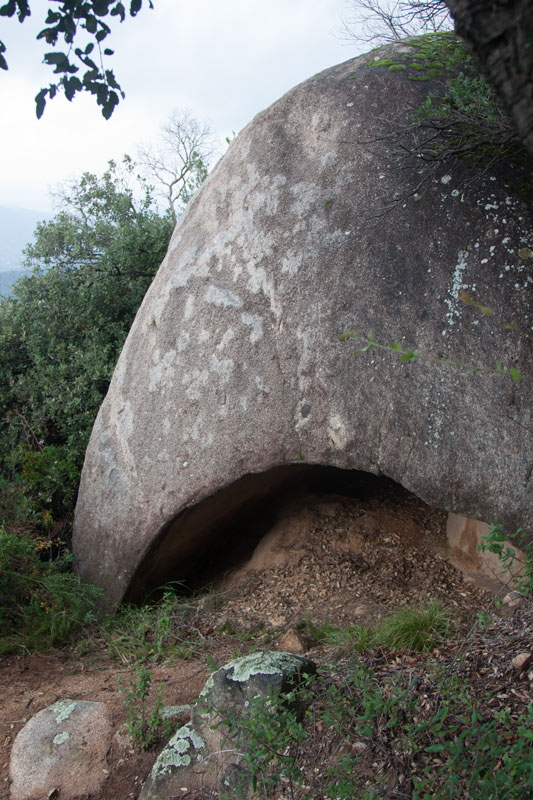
(62, 747)
(234, 373)
(206, 753)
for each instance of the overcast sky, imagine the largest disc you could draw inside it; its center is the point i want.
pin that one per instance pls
(224, 60)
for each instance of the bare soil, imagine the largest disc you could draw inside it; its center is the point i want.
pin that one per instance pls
(328, 557)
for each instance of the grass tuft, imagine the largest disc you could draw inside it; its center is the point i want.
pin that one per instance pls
(420, 629)
(163, 629)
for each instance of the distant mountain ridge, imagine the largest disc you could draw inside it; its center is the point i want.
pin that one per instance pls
(8, 278)
(16, 231)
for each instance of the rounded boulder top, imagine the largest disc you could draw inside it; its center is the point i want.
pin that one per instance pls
(237, 373)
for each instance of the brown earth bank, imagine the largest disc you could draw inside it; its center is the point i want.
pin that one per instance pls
(328, 558)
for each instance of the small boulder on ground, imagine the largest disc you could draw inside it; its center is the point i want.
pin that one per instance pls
(521, 662)
(61, 749)
(294, 641)
(203, 755)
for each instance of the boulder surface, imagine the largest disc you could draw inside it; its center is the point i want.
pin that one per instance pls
(61, 748)
(234, 378)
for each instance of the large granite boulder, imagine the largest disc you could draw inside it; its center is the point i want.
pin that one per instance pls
(234, 378)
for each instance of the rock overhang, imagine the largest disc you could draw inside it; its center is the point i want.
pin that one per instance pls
(234, 366)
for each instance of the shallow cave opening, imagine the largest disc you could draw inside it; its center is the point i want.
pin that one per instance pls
(205, 542)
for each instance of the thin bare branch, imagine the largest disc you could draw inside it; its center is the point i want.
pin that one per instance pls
(177, 163)
(382, 21)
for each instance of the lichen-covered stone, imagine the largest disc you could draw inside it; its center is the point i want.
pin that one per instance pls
(62, 747)
(309, 227)
(183, 759)
(262, 673)
(201, 755)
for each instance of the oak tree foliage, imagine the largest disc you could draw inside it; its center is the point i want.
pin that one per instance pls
(77, 30)
(62, 331)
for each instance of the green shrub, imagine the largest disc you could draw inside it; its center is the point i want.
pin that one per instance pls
(42, 604)
(62, 331)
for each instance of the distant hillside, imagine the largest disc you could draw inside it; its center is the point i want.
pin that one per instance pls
(7, 278)
(16, 231)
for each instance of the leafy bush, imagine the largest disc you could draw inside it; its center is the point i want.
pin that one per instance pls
(495, 542)
(41, 605)
(62, 331)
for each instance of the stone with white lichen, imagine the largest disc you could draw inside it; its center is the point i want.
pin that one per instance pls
(61, 749)
(203, 755)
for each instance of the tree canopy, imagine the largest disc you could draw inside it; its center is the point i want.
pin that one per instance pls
(81, 27)
(62, 331)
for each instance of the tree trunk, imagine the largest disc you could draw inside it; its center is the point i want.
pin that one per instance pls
(501, 35)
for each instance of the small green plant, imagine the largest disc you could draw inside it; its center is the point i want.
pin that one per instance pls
(410, 355)
(522, 567)
(472, 755)
(145, 725)
(483, 619)
(419, 629)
